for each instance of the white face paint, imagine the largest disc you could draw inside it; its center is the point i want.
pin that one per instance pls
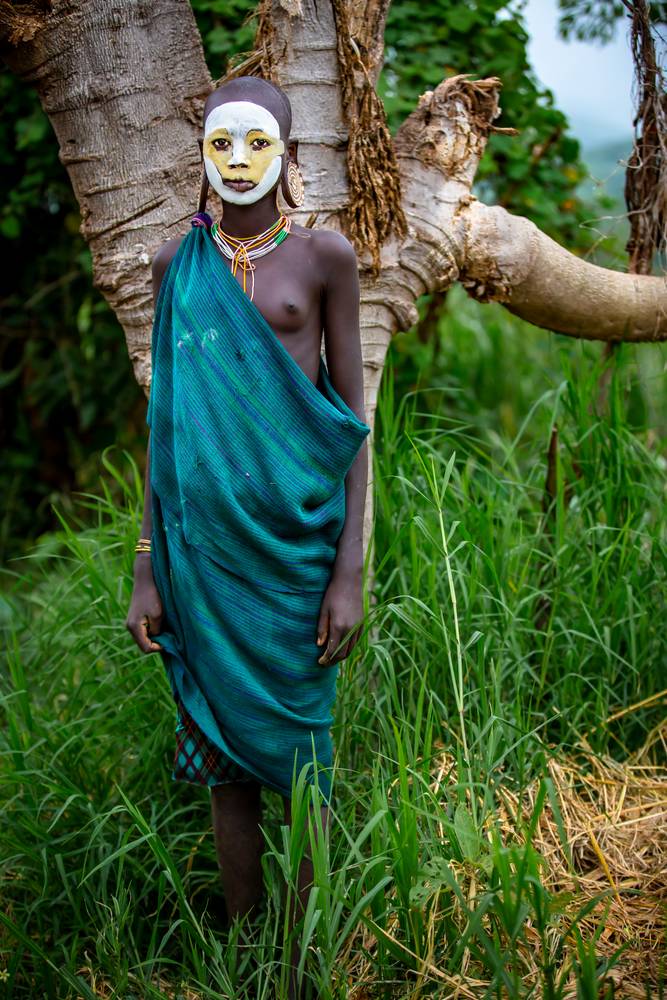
(242, 146)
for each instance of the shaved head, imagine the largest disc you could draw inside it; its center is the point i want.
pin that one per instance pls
(258, 91)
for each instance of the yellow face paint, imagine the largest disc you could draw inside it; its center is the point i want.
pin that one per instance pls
(246, 158)
(242, 151)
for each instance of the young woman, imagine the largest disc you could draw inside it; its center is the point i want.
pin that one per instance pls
(248, 575)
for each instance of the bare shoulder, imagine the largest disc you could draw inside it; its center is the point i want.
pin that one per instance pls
(162, 258)
(164, 254)
(334, 250)
(331, 249)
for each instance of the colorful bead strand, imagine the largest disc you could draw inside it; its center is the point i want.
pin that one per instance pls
(242, 252)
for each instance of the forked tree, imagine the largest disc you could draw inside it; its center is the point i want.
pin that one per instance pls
(124, 83)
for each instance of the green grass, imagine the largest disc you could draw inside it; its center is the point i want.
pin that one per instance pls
(503, 630)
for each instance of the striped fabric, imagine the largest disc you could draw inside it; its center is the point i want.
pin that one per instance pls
(248, 465)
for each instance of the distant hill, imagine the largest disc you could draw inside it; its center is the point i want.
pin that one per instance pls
(606, 164)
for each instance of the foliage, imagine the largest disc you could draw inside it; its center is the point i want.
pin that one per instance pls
(598, 20)
(536, 173)
(110, 881)
(227, 28)
(67, 382)
(492, 391)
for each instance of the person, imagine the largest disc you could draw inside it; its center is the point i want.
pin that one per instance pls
(248, 573)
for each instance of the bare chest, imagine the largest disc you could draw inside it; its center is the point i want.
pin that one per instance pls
(287, 291)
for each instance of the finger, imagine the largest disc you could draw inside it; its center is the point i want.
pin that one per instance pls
(323, 627)
(348, 640)
(353, 639)
(344, 650)
(147, 644)
(138, 633)
(339, 649)
(347, 649)
(357, 636)
(154, 624)
(153, 646)
(334, 639)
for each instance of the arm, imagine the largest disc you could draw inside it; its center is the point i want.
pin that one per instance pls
(343, 605)
(144, 617)
(145, 613)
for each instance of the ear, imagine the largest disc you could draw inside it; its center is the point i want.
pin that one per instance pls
(292, 150)
(203, 191)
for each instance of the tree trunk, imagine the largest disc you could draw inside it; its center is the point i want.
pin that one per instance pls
(124, 86)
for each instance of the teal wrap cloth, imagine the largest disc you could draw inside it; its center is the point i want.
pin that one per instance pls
(247, 470)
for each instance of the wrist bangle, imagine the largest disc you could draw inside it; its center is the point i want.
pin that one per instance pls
(143, 545)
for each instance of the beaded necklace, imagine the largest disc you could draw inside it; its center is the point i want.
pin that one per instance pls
(243, 252)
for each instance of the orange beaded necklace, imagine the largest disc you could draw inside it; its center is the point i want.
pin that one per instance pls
(242, 252)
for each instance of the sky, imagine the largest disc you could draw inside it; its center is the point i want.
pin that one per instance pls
(591, 83)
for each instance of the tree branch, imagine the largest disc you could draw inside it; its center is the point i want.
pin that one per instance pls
(510, 260)
(497, 256)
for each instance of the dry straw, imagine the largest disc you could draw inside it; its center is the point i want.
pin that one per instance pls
(614, 819)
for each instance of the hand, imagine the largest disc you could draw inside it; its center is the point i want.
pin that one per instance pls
(145, 615)
(342, 609)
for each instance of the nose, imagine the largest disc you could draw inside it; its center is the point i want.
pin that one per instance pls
(238, 157)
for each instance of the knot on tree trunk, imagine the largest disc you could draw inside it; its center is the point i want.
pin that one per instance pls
(498, 252)
(450, 125)
(20, 22)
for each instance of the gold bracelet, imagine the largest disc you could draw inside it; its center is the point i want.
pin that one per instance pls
(143, 545)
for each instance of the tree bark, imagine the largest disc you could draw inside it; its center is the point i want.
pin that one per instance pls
(124, 85)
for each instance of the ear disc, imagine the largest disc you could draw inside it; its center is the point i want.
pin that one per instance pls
(292, 185)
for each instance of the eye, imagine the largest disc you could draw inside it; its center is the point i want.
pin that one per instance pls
(220, 144)
(260, 143)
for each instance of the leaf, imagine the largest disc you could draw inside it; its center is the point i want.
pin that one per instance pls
(10, 227)
(432, 878)
(461, 18)
(467, 834)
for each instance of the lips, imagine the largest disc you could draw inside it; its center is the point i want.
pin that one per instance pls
(239, 185)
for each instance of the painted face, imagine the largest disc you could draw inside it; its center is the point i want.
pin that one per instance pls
(242, 150)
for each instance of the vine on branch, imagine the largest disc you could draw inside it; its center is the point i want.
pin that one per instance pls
(646, 174)
(375, 208)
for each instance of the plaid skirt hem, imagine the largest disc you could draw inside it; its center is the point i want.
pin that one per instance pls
(198, 760)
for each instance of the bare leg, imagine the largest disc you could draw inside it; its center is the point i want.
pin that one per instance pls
(236, 809)
(304, 882)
